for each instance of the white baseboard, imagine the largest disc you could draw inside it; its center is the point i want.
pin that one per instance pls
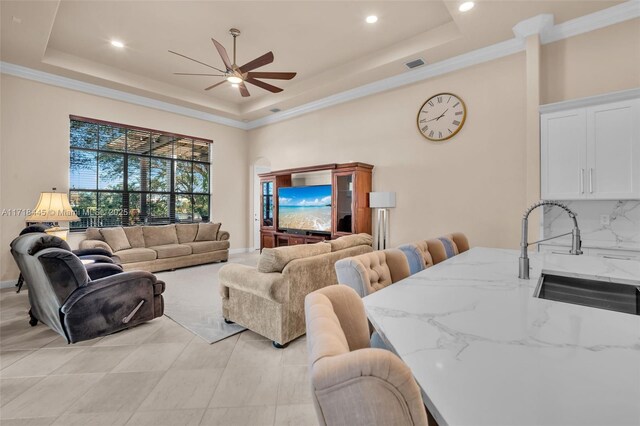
(8, 284)
(240, 250)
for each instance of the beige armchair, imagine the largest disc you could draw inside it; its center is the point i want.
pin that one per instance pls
(269, 299)
(353, 384)
(370, 272)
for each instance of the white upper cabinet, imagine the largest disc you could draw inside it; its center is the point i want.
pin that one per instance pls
(564, 154)
(591, 152)
(613, 139)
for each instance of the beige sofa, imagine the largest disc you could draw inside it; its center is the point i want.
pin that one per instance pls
(269, 298)
(352, 383)
(163, 247)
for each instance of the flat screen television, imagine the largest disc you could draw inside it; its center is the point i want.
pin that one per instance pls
(305, 208)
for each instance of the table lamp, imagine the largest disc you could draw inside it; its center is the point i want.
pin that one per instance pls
(382, 201)
(53, 207)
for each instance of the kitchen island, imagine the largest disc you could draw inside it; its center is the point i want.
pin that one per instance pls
(485, 351)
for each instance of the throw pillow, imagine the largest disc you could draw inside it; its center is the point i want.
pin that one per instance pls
(135, 236)
(116, 238)
(187, 232)
(208, 231)
(159, 235)
(351, 241)
(275, 259)
(93, 234)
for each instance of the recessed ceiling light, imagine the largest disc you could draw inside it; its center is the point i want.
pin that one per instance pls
(372, 19)
(466, 6)
(233, 79)
(236, 85)
(117, 43)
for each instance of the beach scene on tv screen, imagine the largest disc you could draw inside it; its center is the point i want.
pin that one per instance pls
(305, 207)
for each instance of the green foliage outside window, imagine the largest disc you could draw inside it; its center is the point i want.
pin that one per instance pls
(128, 176)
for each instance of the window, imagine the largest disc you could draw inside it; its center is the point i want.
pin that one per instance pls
(124, 175)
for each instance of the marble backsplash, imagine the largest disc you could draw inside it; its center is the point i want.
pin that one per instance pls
(624, 216)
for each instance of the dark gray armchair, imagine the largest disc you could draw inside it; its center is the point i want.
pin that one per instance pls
(96, 255)
(64, 297)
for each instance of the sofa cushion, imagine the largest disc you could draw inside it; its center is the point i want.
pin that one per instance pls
(275, 259)
(116, 238)
(351, 241)
(186, 232)
(171, 250)
(93, 234)
(159, 235)
(136, 255)
(198, 247)
(208, 231)
(135, 236)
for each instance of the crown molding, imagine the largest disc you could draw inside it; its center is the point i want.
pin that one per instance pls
(622, 95)
(594, 21)
(94, 89)
(536, 25)
(539, 24)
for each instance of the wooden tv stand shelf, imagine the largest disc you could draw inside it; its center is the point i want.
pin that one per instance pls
(286, 239)
(350, 212)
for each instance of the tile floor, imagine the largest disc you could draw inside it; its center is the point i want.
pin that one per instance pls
(155, 374)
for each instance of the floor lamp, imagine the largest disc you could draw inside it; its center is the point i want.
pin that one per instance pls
(382, 201)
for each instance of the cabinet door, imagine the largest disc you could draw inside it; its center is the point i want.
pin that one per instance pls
(343, 203)
(613, 147)
(563, 155)
(617, 254)
(268, 240)
(267, 220)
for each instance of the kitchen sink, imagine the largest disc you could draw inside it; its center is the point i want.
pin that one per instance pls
(613, 296)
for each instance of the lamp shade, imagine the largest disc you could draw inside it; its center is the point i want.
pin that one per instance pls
(382, 200)
(53, 207)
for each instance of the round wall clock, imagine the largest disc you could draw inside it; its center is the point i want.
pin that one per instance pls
(441, 117)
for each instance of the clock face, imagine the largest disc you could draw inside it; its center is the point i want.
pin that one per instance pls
(441, 116)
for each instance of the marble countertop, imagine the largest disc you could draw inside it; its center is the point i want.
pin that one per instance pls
(486, 352)
(613, 245)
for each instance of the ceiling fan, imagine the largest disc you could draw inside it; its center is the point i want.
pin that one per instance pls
(240, 75)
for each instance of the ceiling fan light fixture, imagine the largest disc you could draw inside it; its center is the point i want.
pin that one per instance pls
(235, 85)
(117, 43)
(234, 79)
(466, 6)
(371, 19)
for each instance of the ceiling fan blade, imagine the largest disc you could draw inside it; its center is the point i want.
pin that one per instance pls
(223, 54)
(195, 60)
(272, 75)
(243, 90)
(265, 86)
(188, 73)
(265, 59)
(217, 84)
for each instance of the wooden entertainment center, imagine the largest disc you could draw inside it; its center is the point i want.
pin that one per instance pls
(350, 212)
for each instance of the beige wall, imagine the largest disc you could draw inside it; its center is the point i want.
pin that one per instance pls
(602, 61)
(473, 183)
(35, 153)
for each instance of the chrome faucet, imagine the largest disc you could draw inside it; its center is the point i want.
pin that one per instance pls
(576, 243)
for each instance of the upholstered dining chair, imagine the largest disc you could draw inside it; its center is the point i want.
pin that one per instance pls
(352, 383)
(370, 272)
(424, 254)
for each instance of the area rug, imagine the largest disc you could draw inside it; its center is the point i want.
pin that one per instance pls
(192, 298)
